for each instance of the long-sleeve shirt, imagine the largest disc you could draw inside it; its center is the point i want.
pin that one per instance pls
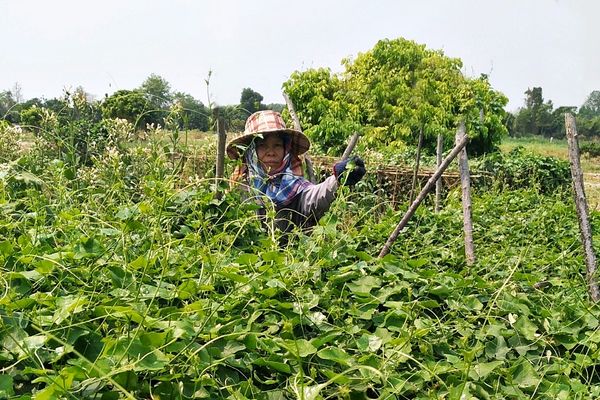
(307, 207)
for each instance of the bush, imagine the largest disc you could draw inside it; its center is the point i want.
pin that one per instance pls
(521, 169)
(590, 149)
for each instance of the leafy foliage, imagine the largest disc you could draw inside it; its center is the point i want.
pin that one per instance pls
(520, 169)
(127, 104)
(391, 93)
(251, 101)
(591, 149)
(126, 282)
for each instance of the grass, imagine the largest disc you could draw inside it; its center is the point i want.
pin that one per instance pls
(559, 149)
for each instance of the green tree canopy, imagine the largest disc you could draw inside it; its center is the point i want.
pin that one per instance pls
(391, 93)
(7, 102)
(251, 101)
(195, 115)
(131, 105)
(588, 118)
(591, 107)
(157, 91)
(536, 117)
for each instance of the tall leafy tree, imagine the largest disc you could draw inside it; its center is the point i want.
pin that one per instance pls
(158, 95)
(7, 102)
(536, 117)
(588, 118)
(251, 101)
(131, 105)
(591, 106)
(194, 115)
(393, 92)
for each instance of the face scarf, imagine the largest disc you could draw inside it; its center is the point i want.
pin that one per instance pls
(281, 185)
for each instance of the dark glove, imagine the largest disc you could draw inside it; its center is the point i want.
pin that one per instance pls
(355, 174)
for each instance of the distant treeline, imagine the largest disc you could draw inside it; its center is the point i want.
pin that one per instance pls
(539, 117)
(148, 104)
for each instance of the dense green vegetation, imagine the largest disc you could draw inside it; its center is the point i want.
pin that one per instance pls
(392, 93)
(538, 117)
(121, 278)
(124, 277)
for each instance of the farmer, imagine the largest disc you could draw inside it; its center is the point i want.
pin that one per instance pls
(271, 167)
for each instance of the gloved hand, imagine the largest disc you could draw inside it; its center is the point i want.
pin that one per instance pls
(355, 168)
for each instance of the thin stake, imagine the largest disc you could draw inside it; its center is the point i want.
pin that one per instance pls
(413, 186)
(310, 171)
(438, 184)
(582, 208)
(220, 167)
(465, 184)
(351, 145)
(426, 189)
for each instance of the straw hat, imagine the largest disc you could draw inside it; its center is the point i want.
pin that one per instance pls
(265, 122)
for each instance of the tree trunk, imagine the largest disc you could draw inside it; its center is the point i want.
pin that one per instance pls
(310, 170)
(426, 189)
(582, 208)
(413, 186)
(438, 184)
(465, 185)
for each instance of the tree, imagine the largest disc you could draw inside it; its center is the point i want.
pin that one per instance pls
(325, 115)
(195, 115)
(591, 107)
(131, 105)
(7, 102)
(393, 92)
(158, 94)
(17, 93)
(588, 118)
(536, 117)
(251, 101)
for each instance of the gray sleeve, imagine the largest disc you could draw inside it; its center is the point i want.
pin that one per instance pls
(315, 200)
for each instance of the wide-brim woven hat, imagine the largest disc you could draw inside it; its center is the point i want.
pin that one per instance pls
(266, 122)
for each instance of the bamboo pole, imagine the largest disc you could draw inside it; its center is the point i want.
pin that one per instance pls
(439, 182)
(582, 208)
(310, 170)
(351, 145)
(426, 189)
(465, 184)
(413, 186)
(220, 167)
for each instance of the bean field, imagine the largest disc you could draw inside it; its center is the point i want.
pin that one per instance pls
(124, 277)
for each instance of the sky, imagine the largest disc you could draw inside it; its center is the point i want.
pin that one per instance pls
(108, 45)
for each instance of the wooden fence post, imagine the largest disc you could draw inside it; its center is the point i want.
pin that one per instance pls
(465, 184)
(220, 162)
(438, 184)
(582, 207)
(413, 187)
(310, 170)
(426, 189)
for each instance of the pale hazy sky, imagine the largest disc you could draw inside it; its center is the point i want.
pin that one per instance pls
(115, 44)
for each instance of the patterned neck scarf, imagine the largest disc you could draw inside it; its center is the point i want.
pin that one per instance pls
(281, 185)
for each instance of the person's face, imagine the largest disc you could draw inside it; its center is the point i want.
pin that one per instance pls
(270, 151)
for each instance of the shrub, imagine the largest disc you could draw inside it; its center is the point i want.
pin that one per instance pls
(521, 169)
(591, 149)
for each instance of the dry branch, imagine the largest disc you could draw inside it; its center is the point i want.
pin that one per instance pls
(413, 186)
(439, 183)
(465, 183)
(220, 167)
(582, 207)
(351, 145)
(426, 189)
